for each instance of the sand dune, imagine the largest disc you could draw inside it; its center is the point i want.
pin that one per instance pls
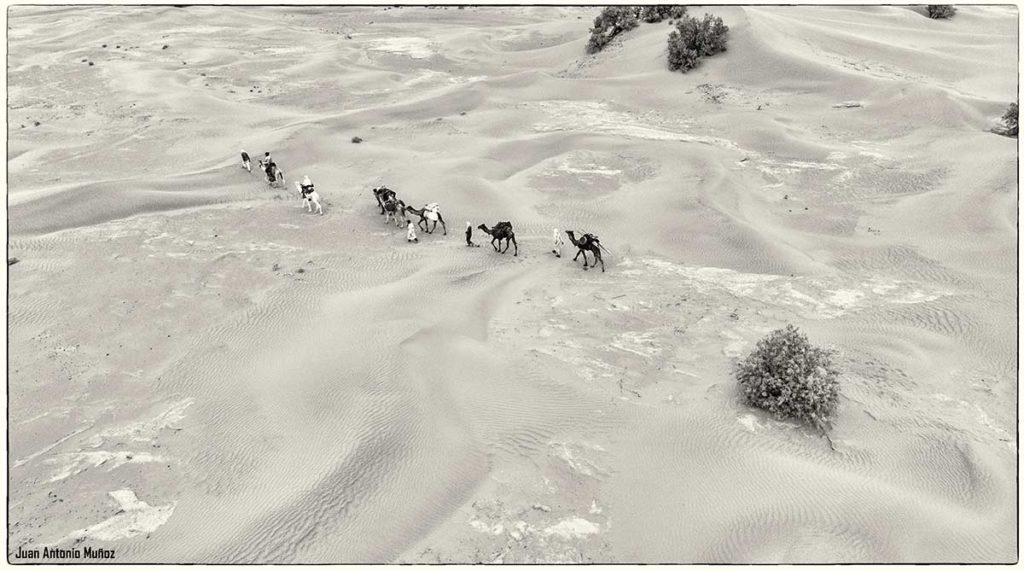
(200, 371)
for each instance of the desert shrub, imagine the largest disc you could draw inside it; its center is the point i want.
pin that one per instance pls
(693, 39)
(941, 11)
(1010, 120)
(612, 21)
(655, 14)
(790, 378)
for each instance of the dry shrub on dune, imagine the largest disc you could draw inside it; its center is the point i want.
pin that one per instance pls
(941, 11)
(655, 14)
(790, 378)
(693, 39)
(615, 20)
(611, 22)
(1010, 120)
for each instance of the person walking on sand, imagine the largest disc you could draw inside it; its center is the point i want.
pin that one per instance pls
(246, 164)
(410, 234)
(558, 242)
(469, 236)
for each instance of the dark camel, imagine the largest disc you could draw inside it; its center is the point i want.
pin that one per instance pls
(586, 244)
(501, 231)
(275, 176)
(422, 213)
(396, 208)
(383, 194)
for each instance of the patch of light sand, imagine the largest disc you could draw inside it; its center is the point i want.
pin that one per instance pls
(776, 168)
(77, 462)
(496, 529)
(634, 342)
(576, 166)
(521, 528)
(145, 430)
(735, 345)
(572, 454)
(136, 517)
(416, 48)
(572, 527)
(826, 298)
(591, 116)
(749, 422)
(433, 76)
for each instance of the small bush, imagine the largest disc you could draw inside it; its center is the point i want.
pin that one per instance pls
(612, 21)
(790, 378)
(693, 39)
(655, 14)
(941, 11)
(1010, 120)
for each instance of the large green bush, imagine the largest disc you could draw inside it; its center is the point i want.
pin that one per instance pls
(941, 11)
(790, 378)
(1010, 120)
(693, 39)
(612, 21)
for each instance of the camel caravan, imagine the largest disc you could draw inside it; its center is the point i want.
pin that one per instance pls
(391, 207)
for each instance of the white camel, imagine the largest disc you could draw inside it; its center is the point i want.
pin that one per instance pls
(310, 198)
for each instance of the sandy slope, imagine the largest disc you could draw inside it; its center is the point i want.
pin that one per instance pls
(200, 371)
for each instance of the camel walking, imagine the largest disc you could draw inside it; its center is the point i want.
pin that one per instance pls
(396, 208)
(310, 196)
(383, 194)
(429, 213)
(501, 231)
(275, 176)
(587, 242)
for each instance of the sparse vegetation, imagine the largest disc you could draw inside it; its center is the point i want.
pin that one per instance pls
(357, 140)
(711, 93)
(1010, 120)
(941, 11)
(693, 39)
(790, 378)
(612, 21)
(655, 14)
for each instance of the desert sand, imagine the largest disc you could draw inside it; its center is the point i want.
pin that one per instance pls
(201, 371)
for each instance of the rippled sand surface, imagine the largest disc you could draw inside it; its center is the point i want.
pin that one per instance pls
(200, 371)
